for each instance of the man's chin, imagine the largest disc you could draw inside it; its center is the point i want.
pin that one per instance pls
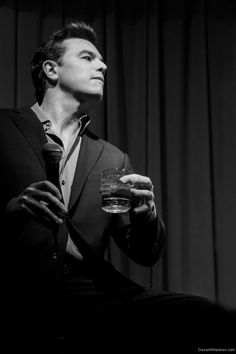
(90, 100)
(94, 97)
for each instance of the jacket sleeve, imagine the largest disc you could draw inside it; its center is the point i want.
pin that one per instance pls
(141, 237)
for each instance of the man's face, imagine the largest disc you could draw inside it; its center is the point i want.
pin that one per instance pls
(81, 71)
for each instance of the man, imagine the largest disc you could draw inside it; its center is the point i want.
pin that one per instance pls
(56, 235)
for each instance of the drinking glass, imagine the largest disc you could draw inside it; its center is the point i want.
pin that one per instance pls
(116, 195)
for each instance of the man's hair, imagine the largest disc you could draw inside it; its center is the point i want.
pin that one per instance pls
(52, 49)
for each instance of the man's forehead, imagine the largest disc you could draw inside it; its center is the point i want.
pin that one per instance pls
(80, 45)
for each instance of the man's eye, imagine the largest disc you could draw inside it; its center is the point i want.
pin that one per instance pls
(87, 57)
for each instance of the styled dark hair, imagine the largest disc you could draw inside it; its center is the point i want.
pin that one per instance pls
(52, 49)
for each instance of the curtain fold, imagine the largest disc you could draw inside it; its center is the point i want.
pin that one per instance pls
(170, 104)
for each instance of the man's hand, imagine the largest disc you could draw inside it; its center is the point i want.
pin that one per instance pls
(40, 200)
(142, 193)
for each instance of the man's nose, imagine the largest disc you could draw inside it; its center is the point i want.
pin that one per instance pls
(102, 67)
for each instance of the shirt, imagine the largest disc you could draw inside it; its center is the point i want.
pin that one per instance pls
(68, 162)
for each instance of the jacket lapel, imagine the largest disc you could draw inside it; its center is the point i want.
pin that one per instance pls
(32, 129)
(90, 151)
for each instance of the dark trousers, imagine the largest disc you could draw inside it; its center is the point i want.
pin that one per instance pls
(89, 316)
(83, 314)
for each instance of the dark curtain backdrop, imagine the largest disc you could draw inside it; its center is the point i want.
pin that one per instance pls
(170, 103)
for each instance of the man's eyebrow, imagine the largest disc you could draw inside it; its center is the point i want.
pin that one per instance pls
(90, 52)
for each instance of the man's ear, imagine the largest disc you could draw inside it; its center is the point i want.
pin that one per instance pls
(50, 70)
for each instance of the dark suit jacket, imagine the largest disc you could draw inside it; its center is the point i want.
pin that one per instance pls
(35, 251)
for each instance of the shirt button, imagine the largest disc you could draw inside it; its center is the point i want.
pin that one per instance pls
(65, 269)
(63, 182)
(54, 255)
(48, 124)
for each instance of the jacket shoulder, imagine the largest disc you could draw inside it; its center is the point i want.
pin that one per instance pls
(104, 142)
(14, 112)
(111, 147)
(7, 116)
(6, 112)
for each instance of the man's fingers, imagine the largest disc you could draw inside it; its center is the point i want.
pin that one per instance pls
(138, 181)
(39, 209)
(142, 194)
(141, 209)
(42, 200)
(47, 197)
(44, 186)
(52, 201)
(47, 212)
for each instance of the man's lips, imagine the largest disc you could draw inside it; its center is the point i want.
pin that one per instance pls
(98, 78)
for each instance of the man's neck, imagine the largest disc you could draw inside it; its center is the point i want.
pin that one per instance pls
(63, 113)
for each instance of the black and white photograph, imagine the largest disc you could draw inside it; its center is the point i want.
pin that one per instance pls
(118, 176)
